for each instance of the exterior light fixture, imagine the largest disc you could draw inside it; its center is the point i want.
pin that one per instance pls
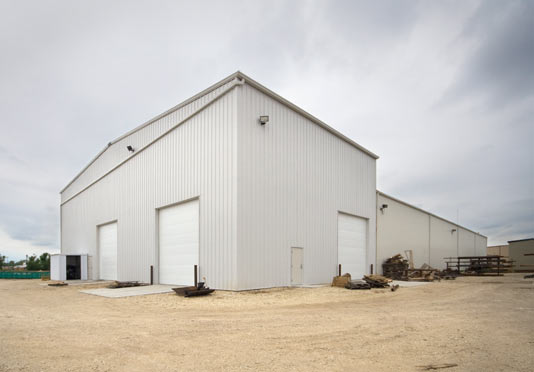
(384, 206)
(130, 148)
(264, 119)
(453, 231)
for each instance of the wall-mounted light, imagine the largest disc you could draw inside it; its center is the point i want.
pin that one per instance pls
(130, 148)
(264, 119)
(384, 206)
(453, 231)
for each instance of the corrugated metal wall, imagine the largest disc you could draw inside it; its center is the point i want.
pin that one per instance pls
(466, 242)
(443, 242)
(293, 178)
(518, 250)
(117, 152)
(481, 243)
(402, 227)
(197, 159)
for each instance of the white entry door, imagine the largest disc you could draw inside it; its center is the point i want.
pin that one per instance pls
(107, 250)
(352, 244)
(297, 266)
(178, 243)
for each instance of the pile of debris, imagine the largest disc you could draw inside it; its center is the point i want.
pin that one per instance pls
(425, 273)
(193, 291)
(372, 281)
(400, 268)
(377, 281)
(367, 282)
(357, 284)
(396, 267)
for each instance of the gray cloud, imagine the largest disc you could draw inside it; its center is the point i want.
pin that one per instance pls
(499, 70)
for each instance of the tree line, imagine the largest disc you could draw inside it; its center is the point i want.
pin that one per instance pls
(33, 263)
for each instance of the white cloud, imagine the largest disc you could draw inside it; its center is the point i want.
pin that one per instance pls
(15, 249)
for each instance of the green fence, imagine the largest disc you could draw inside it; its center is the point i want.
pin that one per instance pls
(23, 274)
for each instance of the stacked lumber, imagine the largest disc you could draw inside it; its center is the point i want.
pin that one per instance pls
(396, 267)
(357, 284)
(377, 281)
(341, 280)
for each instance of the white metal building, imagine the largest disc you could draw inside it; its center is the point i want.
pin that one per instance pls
(253, 203)
(401, 226)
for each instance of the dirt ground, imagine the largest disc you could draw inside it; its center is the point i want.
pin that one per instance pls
(476, 323)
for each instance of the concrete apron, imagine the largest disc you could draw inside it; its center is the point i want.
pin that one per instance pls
(130, 291)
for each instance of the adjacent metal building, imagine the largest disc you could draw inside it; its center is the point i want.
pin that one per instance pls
(254, 202)
(498, 250)
(521, 252)
(401, 227)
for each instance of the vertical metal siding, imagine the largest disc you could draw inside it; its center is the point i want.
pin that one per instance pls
(293, 178)
(443, 242)
(118, 152)
(401, 228)
(431, 239)
(481, 244)
(466, 242)
(194, 160)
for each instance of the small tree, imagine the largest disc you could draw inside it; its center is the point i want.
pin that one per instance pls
(2, 260)
(33, 263)
(44, 261)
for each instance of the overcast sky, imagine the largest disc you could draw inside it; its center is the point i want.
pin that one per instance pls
(442, 91)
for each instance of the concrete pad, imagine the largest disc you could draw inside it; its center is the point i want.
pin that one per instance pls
(130, 291)
(405, 284)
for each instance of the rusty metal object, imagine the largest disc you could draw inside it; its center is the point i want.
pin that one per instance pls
(192, 291)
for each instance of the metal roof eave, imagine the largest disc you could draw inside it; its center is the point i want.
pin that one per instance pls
(427, 212)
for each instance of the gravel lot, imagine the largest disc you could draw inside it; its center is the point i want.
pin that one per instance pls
(477, 323)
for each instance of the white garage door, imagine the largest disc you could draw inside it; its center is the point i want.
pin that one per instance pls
(107, 247)
(352, 244)
(178, 243)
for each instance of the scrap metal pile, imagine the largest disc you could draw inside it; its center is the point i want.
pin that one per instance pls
(198, 290)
